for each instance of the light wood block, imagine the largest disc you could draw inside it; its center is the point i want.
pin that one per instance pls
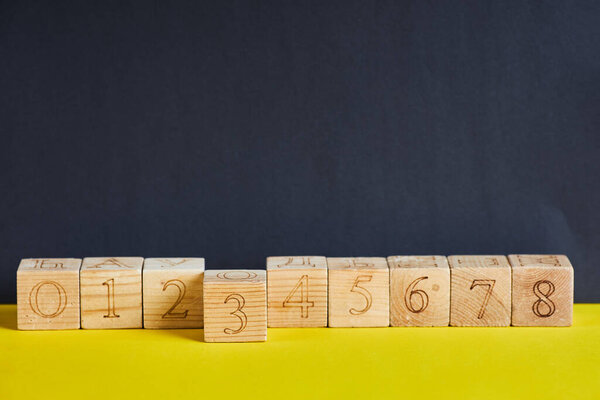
(480, 291)
(359, 292)
(48, 293)
(173, 293)
(419, 291)
(111, 292)
(297, 291)
(235, 306)
(542, 290)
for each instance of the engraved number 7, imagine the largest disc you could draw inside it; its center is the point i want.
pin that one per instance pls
(362, 291)
(484, 282)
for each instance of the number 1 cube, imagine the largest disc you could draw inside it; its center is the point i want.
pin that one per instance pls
(297, 291)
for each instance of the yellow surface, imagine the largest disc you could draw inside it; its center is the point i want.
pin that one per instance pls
(415, 363)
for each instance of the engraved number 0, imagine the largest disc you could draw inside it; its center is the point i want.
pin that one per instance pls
(62, 299)
(238, 313)
(484, 282)
(362, 291)
(170, 314)
(303, 303)
(110, 286)
(410, 292)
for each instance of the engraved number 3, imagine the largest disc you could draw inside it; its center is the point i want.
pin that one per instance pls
(238, 313)
(362, 291)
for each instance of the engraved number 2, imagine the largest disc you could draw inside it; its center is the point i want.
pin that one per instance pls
(303, 303)
(170, 314)
(110, 286)
(362, 291)
(484, 282)
(238, 313)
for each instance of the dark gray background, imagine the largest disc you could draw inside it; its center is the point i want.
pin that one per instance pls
(238, 130)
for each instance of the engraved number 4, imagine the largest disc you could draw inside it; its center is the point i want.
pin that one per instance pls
(303, 303)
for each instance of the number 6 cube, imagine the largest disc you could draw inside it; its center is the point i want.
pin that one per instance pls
(479, 291)
(297, 291)
(235, 306)
(358, 292)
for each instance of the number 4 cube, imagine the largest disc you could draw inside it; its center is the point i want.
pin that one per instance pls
(297, 291)
(542, 290)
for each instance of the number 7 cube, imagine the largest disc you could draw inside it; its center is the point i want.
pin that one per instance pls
(480, 291)
(359, 292)
(297, 291)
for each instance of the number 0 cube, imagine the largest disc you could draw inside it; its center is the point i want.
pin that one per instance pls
(479, 290)
(235, 306)
(542, 290)
(358, 292)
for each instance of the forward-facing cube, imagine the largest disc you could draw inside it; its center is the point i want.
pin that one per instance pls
(542, 290)
(111, 292)
(297, 291)
(358, 292)
(235, 306)
(173, 292)
(419, 291)
(48, 293)
(479, 291)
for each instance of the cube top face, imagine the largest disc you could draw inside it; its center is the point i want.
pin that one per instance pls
(357, 263)
(232, 276)
(112, 263)
(418, 262)
(484, 261)
(296, 262)
(49, 264)
(166, 264)
(539, 260)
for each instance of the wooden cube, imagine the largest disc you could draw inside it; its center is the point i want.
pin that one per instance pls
(235, 306)
(48, 293)
(359, 290)
(542, 290)
(419, 291)
(111, 293)
(173, 293)
(480, 291)
(297, 291)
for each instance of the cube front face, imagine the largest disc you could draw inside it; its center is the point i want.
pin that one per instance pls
(297, 292)
(480, 293)
(48, 294)
(235, 306)
(358, 292)
(419, 291)
(111, 293)
(542, 290)
(173, 296)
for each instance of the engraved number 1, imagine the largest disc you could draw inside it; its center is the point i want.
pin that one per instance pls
(110, 286)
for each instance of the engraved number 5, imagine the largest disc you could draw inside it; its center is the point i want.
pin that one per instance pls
(362, 291)
(238, 313)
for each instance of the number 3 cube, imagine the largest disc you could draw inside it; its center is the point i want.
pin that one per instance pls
(480, 291)
(358, 292)
(235, 306)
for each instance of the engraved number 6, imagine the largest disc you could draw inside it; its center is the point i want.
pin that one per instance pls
(238, 313)
(362, 291)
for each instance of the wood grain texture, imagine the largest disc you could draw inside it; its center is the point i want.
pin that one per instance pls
(173, 296)
(111, 293)
(235, 306)
(297, 291)
(480, 291)
(419, 291)
(358, 292)
(48, 293)
(542, 290)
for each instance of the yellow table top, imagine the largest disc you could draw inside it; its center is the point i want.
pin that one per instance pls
(417, 363)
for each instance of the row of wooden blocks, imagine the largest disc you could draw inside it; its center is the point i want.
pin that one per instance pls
(308, 291)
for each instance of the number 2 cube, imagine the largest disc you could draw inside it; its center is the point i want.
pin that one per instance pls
(480, 292)
(542, 290)
(358, 292)
(297, 291)
(235, 306)
(111, 292)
